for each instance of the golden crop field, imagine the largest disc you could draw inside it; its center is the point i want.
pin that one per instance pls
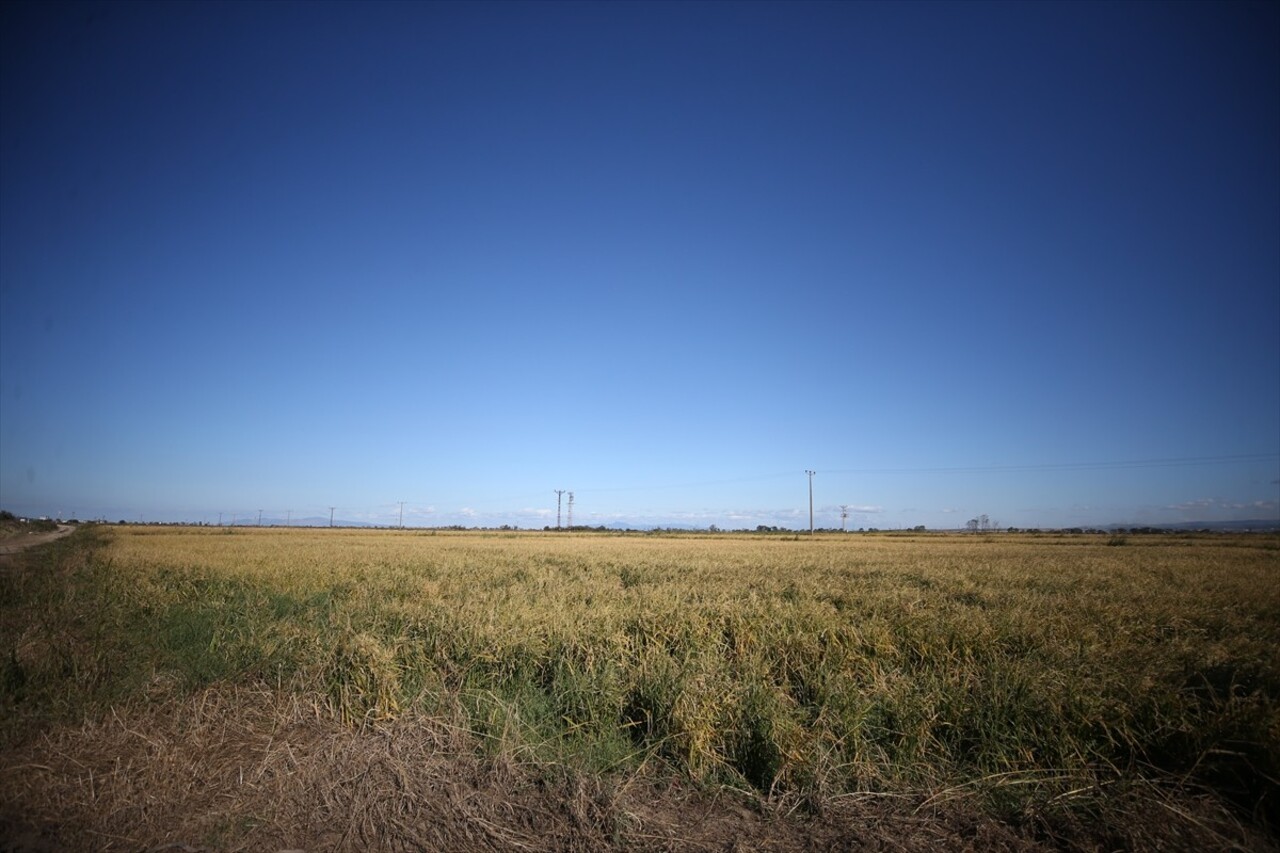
(1023, 670)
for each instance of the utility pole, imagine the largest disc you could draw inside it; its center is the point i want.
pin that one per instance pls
(331, 509)
(559, 492)
(571, 510)
(402, 515)
(259, 518)
(810, 473)
(844, 514)
(219, 519)
(288, 517)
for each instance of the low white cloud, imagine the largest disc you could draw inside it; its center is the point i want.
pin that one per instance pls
(1209, 508)
(1186, 506)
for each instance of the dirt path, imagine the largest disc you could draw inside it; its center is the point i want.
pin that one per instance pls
(30, 540)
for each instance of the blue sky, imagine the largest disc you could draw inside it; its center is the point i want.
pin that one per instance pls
(1012, 259)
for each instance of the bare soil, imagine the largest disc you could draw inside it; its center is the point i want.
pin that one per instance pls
(22, 541)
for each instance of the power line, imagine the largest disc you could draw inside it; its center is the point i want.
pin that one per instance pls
(962, 469)
(1173, 462)
(663, 486)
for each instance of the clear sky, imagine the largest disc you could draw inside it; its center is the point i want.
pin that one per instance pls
(1016, 259)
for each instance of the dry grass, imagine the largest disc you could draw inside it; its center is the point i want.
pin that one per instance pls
(248, 769)
(242, 769)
